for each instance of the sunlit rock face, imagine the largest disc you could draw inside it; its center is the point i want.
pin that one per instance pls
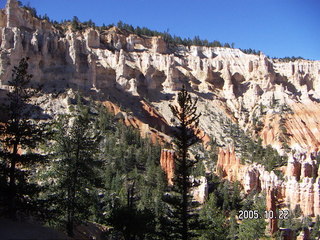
(300, 186)
(167, 164)
(136, 77)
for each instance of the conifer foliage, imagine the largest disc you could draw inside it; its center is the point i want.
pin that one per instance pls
(104, 172)
(19, 133)
(182, 216)
(73, 174)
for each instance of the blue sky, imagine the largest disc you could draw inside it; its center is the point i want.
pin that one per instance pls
(277, 27)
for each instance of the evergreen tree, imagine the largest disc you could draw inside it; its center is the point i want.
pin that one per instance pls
(73, 175)
(315, 234)
(133, 181)
(292, 222)
(233, 226)
(133, 223)
(20, 132)
(76, 24)
(253, 228)
(181, 213)
(212, 221)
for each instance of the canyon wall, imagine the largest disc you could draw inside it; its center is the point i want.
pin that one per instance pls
(137, 77)
(299, 187)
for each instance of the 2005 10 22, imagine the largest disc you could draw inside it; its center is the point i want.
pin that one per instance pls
(255, 214)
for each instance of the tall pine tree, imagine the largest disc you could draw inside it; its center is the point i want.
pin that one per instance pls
(182, 217)
(20, 132)
(73, 174)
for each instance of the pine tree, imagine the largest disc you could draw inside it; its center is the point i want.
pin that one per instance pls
(76, 24)
(233, 226)
(134, 197)
(182, 216)
(254, 228)
(212, 221)
(73, 174)
(20, 132)
(315, 233)
(152, 189)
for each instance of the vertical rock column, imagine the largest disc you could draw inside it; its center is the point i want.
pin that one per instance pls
(12, 16)
(316, 186)
(167, 164)
(228, 165)
(271, 206)
(307, 196)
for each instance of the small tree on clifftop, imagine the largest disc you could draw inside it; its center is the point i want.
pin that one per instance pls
(181, 214)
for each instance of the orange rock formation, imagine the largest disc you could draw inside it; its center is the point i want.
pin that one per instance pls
(303, 127)
(271, 206)
(167, 163)
(144, 128)
(228, 164)
(302, 185)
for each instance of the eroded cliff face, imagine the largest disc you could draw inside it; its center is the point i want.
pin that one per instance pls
(300, 185)
(115, 63)
(252, 177)
(143, 74)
